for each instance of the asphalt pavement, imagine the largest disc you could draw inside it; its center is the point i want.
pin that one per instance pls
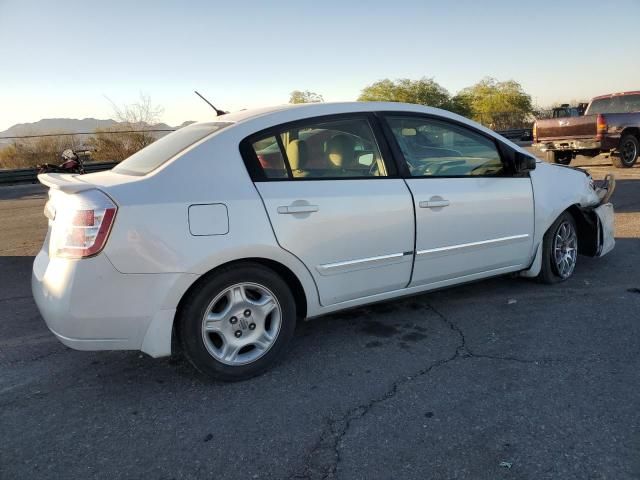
(500, 379)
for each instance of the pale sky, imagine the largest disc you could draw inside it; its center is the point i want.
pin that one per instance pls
(62, 58)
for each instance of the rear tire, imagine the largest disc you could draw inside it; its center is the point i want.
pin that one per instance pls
(627, 152)
(561, 158)
(238, 322)
(559, 250)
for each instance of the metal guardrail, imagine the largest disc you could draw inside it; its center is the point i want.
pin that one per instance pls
(517, 133)
(29, 175)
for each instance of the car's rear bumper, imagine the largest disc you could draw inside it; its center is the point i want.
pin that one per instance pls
(89, 305)
(607, 143)
(568, 145)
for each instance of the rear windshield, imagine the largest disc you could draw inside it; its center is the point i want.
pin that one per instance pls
(617, 104)
(154, 155)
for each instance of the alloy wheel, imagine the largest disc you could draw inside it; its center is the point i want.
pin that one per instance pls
(565, 249)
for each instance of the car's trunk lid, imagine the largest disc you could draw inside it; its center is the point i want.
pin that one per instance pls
(74, 183)
(566, 128)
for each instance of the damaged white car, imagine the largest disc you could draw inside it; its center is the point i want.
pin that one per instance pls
(217, 238)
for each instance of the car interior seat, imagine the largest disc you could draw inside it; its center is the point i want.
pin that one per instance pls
(298, 155)
(341, 153)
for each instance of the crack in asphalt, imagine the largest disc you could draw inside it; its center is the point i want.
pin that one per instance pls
(324, 458)
(466, 352)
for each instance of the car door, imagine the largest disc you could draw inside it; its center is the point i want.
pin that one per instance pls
(336, 203)
(473, 217)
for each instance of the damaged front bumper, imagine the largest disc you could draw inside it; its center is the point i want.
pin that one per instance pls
(604, 216)
(606, 229)
(604, 188)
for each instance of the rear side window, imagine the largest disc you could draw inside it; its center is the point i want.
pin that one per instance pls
(270, 157)
(154, 155)
(321, 150)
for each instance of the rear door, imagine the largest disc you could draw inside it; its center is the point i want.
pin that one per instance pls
(473, 217)
(336, 202)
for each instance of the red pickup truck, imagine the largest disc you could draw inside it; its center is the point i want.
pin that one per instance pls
(610, 124)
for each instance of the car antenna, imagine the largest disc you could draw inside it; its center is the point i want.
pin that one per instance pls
(218, 112)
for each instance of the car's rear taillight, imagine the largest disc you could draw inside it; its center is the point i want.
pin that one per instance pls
(81, 223)
(601, 126)
(535, 132)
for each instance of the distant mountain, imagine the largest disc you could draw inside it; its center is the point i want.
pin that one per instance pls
(57, 125)
(67, 125)
(184, 124)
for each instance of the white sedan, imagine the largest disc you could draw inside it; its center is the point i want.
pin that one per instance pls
(217, 238)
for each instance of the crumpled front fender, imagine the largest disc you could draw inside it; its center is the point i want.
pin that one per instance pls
(558, 189)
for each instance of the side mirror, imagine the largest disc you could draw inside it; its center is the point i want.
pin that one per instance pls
(524, 163)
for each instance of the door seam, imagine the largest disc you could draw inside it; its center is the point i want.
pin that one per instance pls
(415, 233)
(278, 242)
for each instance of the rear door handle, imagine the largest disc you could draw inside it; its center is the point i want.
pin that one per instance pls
(434, 203)
(298, 209)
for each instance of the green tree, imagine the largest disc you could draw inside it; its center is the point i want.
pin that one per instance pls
(498, 105)
(425, 91)
(298, 96)
(115, 144)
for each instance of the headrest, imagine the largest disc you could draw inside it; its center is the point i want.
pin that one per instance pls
(298, 154)
(340, 150)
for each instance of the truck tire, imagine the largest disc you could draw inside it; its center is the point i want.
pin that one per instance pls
(561, 158)
(627, 152)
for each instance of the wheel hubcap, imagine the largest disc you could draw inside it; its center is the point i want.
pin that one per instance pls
(629, 152)
(565, 249)
(241, 323)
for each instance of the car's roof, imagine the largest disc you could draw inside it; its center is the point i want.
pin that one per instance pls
(610, 95)
(261, 118)
(328, 108)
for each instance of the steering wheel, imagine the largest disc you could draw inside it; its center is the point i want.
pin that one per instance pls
(450, 163)
(486, 165)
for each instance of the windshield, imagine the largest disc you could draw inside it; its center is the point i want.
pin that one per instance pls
(154, 155)
(616, 104)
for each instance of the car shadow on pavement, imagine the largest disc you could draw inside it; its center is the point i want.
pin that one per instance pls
(401, 324)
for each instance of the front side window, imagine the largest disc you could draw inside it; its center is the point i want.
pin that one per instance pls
(322, 150)
(435, 148)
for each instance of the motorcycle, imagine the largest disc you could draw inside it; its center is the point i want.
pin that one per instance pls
(71, 163)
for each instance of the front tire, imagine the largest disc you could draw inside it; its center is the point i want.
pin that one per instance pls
(237, 322)
(559, 250)
(628, 151)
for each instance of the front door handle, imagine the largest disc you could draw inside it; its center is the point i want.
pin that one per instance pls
(434, 202)
(298, 209)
